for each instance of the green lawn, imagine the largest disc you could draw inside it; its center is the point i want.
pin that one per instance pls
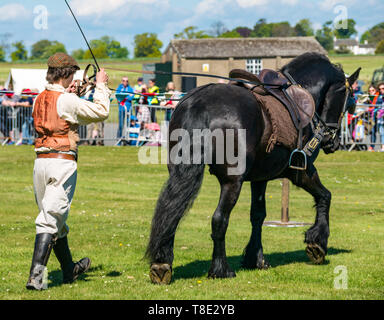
(368, 64)
(110, 221)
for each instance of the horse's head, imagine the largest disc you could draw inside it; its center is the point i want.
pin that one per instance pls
(338, 100)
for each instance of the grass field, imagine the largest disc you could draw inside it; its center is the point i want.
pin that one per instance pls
(110, 221)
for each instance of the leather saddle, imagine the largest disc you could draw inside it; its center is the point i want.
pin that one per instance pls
(297, 100)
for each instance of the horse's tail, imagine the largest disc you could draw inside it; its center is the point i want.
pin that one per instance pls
(176, 198)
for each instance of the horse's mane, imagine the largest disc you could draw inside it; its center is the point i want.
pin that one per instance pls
(309, 59)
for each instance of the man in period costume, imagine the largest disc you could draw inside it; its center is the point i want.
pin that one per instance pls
(57, 113)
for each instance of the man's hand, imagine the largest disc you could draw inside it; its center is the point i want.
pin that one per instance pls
(72, 87)
(101, 76)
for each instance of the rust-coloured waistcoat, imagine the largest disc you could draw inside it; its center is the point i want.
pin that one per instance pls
(53, 132)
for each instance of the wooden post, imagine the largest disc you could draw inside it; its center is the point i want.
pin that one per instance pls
(285, 202)
(284, 221)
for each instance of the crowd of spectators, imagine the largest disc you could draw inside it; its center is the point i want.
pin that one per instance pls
(139, 109)
(16, 116)
(136, 116)
(369, 115)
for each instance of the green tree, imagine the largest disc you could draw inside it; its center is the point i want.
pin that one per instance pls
(380, 47)
(262, 29)
(147, 45)
(78, 54)
(43, 49)
(106, 47)
(282, 29)
(374, 35)
(20, 52)
(191, 32)
(53, 48)
(345, 33)
(2, 54)
(38, 48)
(304, 28)
(325, 36)
(230, 34)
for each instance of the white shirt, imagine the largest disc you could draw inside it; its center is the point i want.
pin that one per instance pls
(80, 111)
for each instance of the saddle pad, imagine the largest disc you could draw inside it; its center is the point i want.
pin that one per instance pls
(283, 130)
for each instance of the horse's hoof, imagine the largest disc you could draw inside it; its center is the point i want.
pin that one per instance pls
(221, 274)
(161, 273)
(315, 253)
(262, 265)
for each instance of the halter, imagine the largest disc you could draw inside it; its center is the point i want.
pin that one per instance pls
(321, 130)
(332, 127)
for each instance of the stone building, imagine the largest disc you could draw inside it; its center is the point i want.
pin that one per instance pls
(218, 56)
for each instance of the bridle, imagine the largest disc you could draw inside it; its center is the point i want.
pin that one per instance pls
(86, 84)
(332, 128)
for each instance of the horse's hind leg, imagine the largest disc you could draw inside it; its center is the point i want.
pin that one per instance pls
(316, 236)
(253, 253)
(229, 194)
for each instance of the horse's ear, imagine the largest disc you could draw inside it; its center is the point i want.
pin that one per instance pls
(352, 79)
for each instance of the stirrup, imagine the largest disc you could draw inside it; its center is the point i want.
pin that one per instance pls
(299, 159)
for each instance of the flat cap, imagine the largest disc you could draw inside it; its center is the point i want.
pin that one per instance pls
(62, 60)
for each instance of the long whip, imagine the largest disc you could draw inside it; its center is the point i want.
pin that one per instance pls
(86, 41)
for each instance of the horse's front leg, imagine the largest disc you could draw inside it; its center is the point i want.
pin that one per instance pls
(253, 253)
(229, 194)
(316, 236)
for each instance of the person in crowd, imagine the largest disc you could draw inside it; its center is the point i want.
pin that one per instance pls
(9, 104)
(380, 116)
(356, 90)
(124, 97)
(3, 119)
(374, 101)
(134, 129)
(25, 103)
(381, 91)
(143, 115)
(57, 113)
(171, 100)
(153, 90)
(138, 87)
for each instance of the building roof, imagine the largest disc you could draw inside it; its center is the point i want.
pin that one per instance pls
(245, 47)
(346, 42)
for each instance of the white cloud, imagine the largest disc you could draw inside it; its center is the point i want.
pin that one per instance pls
(101, 7)
(290, 2)
(251, 3)
(329, 5)
(13, 11)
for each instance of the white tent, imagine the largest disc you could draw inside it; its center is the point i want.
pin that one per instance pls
(20, 79)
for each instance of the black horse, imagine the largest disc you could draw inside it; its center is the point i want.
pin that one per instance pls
(225, 106)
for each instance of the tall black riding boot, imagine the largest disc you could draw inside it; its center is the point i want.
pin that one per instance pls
(43, 246)
(71, 270)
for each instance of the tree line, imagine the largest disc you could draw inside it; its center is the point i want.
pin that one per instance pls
(148, 44)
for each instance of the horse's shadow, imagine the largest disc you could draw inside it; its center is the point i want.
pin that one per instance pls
(200, 268)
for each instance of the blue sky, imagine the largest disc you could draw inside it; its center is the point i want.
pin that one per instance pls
(123, 19)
